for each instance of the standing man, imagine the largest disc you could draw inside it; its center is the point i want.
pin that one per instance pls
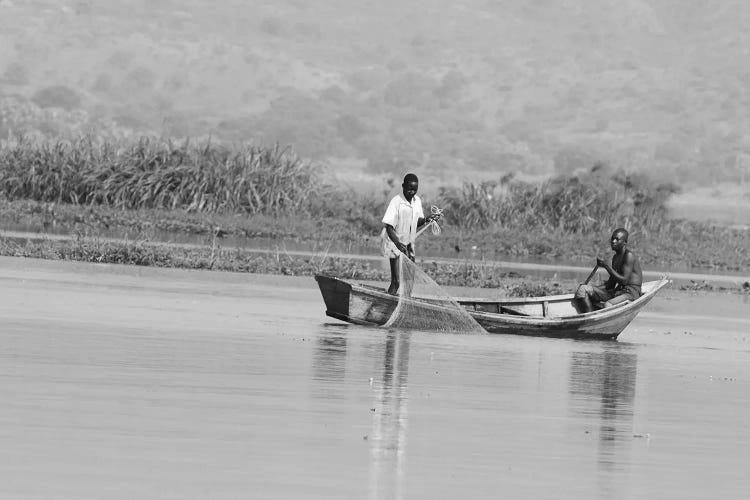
(403, 218)
(625, 277)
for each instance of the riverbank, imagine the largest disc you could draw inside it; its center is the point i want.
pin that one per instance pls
(151, 188)
(511, 279)
(701, 246)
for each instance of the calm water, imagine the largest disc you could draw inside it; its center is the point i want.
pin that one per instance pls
(126, 382)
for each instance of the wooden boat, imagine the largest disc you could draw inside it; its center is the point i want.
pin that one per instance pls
(552, 316)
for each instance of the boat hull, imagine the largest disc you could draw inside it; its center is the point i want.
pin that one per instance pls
(553, 316)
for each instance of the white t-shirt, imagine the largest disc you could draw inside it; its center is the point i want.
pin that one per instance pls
(403, 216)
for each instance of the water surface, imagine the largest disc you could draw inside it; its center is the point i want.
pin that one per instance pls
(128, 382)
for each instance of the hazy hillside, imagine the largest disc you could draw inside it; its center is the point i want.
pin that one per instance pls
(474, 85)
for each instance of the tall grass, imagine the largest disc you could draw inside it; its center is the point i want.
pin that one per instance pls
(91, 180)
(149, 173)
(155, 173)
(587, 203)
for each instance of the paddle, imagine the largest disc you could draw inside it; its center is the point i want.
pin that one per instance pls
(592, 274)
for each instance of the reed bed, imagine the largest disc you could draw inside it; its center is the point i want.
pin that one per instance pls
(150, 173)
(583, 204)
(245, 191)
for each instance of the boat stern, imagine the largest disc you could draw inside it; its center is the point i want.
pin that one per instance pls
(336, 295)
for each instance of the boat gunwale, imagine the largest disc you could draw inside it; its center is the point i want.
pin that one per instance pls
(600, 314)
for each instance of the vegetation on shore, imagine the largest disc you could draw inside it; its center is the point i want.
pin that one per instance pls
(147, 185)
(212, 256)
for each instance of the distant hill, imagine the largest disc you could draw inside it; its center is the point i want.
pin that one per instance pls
(482, 86)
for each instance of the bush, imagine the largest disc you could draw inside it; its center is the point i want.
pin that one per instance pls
(102, 84)
(412, 91)
(140, 78)
(57, 96)
(593, 203)
(350, 128)
(16, 74)
(152, 173)
(272, 26)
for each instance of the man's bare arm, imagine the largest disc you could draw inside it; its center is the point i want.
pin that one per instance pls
(627, 269)
(392, 235)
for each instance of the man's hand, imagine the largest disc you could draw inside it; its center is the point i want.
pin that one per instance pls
(410, 252)
(402, 248)
(602, 263)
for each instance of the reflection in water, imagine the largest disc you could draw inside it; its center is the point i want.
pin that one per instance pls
(329, 364)
(388, 438)
(329, 358)
(607, 379)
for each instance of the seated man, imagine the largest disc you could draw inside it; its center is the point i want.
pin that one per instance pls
(625, 277)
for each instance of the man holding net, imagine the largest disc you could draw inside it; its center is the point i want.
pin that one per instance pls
(403, 218)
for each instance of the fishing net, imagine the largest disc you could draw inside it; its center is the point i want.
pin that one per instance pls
(433, 224)
(423, 305)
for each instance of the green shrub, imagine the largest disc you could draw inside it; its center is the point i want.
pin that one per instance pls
(16, 74)
(153, 173)
(57, 96)
(272, 26)
(594, 202)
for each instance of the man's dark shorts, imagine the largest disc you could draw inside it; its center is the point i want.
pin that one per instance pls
(601, 294)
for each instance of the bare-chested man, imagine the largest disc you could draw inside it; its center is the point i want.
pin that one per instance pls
(625, 277)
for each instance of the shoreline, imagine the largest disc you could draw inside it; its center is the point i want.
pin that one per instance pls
(682, 246)
(516, 278)
(84, 275)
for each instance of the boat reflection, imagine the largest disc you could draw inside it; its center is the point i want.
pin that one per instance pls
(595, 383)
(388, 437)
(389, 404)
(603, 386)
(329, 357)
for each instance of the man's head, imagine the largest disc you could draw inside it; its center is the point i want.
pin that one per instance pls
(410, 186)
(619, 239)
